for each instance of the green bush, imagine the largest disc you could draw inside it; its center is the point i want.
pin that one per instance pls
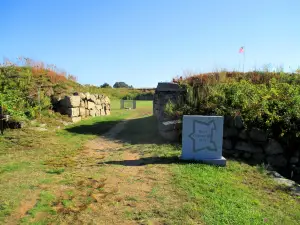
(273, 106)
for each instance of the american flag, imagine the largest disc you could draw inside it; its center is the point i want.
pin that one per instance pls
(241, 50)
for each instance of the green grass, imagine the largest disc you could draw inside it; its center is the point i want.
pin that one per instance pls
(33, 161)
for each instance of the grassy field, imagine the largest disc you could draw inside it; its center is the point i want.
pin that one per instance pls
(84, 175)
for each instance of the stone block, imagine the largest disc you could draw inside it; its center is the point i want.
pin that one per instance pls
(230, 132)
(273, 147)
(76, 119)
(248, 147)
(277, 160)
(73, 112)
(91, 105)
(258, 135)
(82, 111)
(70, 101)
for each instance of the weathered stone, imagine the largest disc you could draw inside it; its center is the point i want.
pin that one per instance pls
(98, 102)
(227, 144)
(248, 147)
(258, 135)
(106, 99)
(98, 107)
(87, 112)
(247, 155)
(273, 147)
(85, 104)
(230, 132)
(102, 112)
(82, 112)
(93, 98)
(258, 157)
(107, 112)
(97, 112)
(76, 119)
(229, 151)
(243, 135)
(92, 112)
(294, 160)
(91, 105)
(277, 160)
(170, 135)
(71, 101)
(88, 96)
(73, 112)
(82, 96)
(82, 104)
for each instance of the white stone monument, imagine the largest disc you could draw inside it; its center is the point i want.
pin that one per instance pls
(202, 139)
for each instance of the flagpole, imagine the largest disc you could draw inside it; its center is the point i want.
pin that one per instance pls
(244, 60)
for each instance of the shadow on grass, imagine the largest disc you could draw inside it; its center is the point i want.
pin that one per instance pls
(97, 128)
(136, 131)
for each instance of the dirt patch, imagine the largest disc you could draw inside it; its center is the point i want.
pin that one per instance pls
(28, 203)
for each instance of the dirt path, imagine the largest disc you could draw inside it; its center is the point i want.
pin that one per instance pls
(129, 193)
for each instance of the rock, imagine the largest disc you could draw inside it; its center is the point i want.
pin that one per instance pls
(294, 160)
(85, 104)
(248, 147)
(107, 112)
(98, 102)
(273, 147)
(71, 101)
(76, 119)
(243, 135)
(91, 105)
(228, 121)
(82, 104)
(73, 112)
(258, 135)
(230, 132)
(92, 112)
(98, 107)
(277, 160)
(82, 96)
(238, 122)
(102, 112)
(170, 135)
(258, 157)
(87, 96)
(229, 151)
(43, 125)
(247, 155)
(82, 112)
(93, 98)
(227, 144)
(87, 112)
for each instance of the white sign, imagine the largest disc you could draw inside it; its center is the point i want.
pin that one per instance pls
(202, 139)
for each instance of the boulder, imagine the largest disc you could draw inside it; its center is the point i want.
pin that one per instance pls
(258, 135)
(277, 160)
(92, 112)
(82, 96)
(243, 135)
(248, 147)
(73, 112)
(82, 111)
(71, 101)
(82, 104)
(87, 96)
(227, 144)
(91, 105)
(230, 132)
(93, 98)
(273, 147)
(76, 119)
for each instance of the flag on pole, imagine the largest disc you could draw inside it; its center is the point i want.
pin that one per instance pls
(241, 49)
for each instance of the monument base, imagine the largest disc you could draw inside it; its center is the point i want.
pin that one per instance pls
(219, 162)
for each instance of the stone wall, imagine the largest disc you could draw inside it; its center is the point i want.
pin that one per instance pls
(252, 145)
(168, 127)
(82, 105)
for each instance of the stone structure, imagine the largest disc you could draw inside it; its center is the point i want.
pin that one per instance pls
(168, 127)
(82, 105)
(252, 145)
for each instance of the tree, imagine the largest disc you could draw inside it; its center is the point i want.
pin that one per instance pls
(122, 85)
(105, 85)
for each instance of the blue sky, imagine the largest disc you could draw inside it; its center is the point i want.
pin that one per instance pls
(143, 42)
